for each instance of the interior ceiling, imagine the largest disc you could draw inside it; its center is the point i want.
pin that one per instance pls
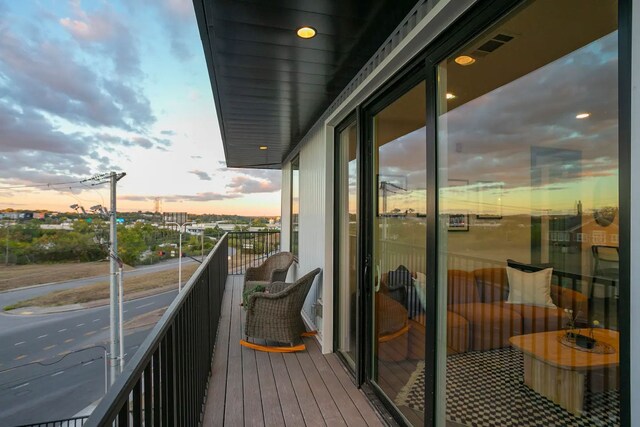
(269, 85)
(542, 30)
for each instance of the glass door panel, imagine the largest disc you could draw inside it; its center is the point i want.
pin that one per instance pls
(528, 210)
(399, 248)
(346, 237)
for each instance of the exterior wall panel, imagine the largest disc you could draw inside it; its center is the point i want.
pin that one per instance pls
(635, 219)
(312, 219)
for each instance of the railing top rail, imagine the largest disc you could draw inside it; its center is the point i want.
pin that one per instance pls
(120, 389)
(255, 232)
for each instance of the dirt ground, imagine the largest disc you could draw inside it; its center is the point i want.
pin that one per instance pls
(133, 286)
(18, 276)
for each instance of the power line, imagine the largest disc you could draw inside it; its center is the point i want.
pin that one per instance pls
(98, 177)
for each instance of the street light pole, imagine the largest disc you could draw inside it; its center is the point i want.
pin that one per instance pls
(180, 228)
(115, 315)
(180, 263)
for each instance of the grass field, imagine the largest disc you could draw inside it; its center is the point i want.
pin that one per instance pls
(134, 286)
(18, 276)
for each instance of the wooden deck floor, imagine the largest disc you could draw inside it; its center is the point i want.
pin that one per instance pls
(254, 388)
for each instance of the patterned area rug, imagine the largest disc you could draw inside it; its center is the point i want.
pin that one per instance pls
(485, 388)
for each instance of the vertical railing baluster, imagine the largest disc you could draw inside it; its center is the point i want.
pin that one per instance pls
(148, 390)
(123, 415)
(156, 387)
(137, 404)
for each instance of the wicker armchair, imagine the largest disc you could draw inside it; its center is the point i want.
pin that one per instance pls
(274, 269)
(275, 315)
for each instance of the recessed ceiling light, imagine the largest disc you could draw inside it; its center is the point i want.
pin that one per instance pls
(583, 115)
(263, 147)
(464, 60)
(306, 32)
(450, 96)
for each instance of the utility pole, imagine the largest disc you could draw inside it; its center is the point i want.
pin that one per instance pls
(6, 252)
(115, 311)
(180, 229)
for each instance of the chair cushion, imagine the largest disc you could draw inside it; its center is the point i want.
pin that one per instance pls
(536, 318)
(457, 335)
(461, 287)
(492, 283)
(490, 325)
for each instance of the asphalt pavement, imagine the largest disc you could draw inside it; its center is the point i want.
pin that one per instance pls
(52, 366)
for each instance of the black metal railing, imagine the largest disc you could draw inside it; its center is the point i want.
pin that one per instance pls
(251, 248)
(69, 422)
(165, 382)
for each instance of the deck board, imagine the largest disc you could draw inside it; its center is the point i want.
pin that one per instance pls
(234, 403)
(251, 388)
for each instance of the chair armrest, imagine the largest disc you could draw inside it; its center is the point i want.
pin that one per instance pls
(277, 272)
(261, 298)
(276, 287)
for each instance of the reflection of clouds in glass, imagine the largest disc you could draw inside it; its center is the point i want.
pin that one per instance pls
(402, 164)
(490, 138)
(406, 156)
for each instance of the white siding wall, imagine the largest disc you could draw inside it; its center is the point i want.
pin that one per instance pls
(635, 219)
(315, 233)
(312, 218)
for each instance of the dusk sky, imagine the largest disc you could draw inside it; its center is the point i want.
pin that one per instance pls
(88, 87)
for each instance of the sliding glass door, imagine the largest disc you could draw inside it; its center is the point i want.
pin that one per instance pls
(483, 198)
(527, 148)
(397, 286)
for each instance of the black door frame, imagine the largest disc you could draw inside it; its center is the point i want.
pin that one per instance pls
(337, 256)
(399, 85)
(477, 19)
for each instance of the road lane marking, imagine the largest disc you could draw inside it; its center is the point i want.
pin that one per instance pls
(43, 336)
(145, 305)
(104, 327)
(79, 324)
(49, 347)
(68, 340)
(124, 311)
(22, 356)
(96, 320)
(86, 334)
(63, 353)
(20, 386)
(62, 330)
(87, 363)
(19, 343)
(57, 373)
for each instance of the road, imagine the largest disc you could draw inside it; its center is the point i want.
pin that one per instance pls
(15, 295)
(69, 383)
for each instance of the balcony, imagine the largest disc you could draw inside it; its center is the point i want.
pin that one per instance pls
(191, 369)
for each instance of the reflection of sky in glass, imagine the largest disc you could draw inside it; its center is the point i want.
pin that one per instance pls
(402, 163)
(493, 137)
